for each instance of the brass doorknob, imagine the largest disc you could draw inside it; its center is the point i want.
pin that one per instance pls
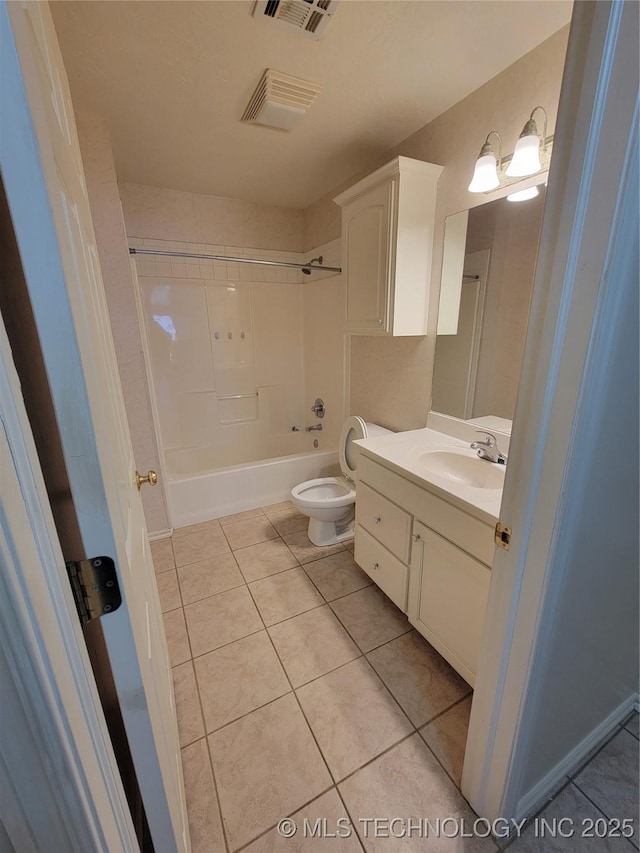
(151, 478)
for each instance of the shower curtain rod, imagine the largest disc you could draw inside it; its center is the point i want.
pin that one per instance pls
(308, 266)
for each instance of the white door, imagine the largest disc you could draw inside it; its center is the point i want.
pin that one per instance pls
(60, 787)
(46, 192)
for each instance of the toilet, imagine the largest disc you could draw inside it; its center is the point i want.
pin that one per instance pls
(329, 502)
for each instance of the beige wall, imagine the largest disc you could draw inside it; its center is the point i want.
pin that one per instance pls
(95, 146)
(165, 214)
(391, 378)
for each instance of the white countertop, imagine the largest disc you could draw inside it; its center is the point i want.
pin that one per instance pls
(400, 451)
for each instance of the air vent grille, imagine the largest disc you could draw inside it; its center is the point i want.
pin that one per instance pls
(309, 17)
(280, 100)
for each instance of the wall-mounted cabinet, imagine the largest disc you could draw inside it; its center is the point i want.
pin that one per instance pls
(387, 243)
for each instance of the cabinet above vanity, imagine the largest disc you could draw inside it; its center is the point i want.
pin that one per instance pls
(387, 244)
(426, 512)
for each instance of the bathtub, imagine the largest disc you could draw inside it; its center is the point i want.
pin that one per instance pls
(192, 498)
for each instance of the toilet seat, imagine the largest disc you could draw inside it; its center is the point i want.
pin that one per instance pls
(353, 429)
(323, 491)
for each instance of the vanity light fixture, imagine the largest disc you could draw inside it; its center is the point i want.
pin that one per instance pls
(524, 195)
(526, 157)
(485, 175)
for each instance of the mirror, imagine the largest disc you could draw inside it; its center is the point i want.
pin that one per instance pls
(487, 279)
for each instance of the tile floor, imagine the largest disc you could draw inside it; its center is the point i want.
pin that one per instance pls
(302, 691)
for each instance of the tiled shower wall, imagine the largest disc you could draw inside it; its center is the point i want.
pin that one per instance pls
(238, 352)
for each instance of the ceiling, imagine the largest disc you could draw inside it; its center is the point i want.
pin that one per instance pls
(173, 78)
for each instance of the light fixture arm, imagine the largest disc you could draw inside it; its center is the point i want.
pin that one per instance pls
(531, 128)
(487, 148)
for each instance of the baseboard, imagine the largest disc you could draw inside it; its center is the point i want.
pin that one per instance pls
(540, 793)
(161, 534)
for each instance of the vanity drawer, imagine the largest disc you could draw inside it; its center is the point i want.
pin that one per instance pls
(385, 570)
(384, 520)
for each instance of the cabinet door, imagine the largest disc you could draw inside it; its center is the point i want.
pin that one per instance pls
(447, 599)
(367, 225)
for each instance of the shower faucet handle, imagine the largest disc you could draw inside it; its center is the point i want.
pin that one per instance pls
(313, 428)
(318, 408)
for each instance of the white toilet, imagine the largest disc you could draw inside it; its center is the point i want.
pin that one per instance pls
(329, 501)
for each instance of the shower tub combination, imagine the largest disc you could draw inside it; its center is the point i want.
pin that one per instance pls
(226, 360)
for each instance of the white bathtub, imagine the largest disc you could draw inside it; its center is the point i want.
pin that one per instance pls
(212, 494)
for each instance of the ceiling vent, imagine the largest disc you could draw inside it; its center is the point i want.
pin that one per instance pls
(309, 17)
(280, 100)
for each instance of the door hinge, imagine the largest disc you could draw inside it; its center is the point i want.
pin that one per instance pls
(95, 587)
(503, 536)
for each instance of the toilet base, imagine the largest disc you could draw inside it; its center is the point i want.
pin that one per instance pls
(330, 532)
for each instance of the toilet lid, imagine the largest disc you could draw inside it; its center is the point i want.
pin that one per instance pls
(353, 429)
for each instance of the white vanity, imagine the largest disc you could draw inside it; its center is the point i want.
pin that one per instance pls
(426, 513)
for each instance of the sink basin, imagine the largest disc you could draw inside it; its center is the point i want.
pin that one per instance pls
(462, 468)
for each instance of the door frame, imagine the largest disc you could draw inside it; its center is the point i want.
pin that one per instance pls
(573, 312)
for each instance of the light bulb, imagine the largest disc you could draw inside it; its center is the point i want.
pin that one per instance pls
(526, 157)
(523, 195)
(485, 174)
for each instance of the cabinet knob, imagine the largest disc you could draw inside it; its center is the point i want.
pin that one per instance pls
(375, 566)
(415, 537)
(377, 519)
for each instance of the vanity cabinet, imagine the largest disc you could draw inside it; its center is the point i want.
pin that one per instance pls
(429, 556)
(387, 242)
(448, 591)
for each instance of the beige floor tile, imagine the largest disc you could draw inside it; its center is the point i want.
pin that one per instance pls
(337, 575)
(202, 527)
(239, 678)
(209, 577)
(312, 644)
(408, 782)
(177, 639)
(264, 559)
(350, 545)
(284, 595)
(162, 555)
(326, 815)
(292, 522)
(610, 779)
(353, 716)
(279, 509)
(446, 736)
(370, 617)
(221, 619)
(420, 679)
(305, 551)
(168, 590)
(205, 825)
(570, 803)
(250, 531)
(190, 725)
(267, 765)
(241, 516)
(194, 547)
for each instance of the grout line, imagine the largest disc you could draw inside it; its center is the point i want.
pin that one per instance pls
(297, 700)
(446, 710)
(215, 788)
(271, 828)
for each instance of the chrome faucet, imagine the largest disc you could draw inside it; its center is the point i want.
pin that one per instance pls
(314, 428)
(488, 448)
